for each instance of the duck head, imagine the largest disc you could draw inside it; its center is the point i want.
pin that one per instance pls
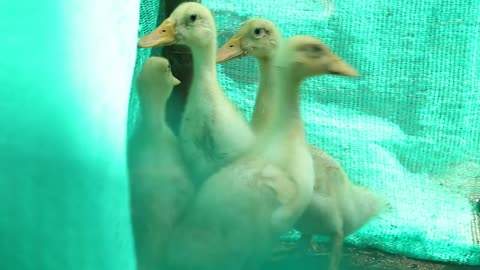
(306, 56)
(257, 37)
(190, 24)
(156, 72)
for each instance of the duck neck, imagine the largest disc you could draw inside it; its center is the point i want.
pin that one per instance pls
(204, 66)
(286, 126)
(152, 109)
(264, 105)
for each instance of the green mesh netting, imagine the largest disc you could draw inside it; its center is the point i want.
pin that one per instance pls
(409, 127)
(65, 74)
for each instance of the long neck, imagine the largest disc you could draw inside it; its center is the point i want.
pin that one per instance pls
(204, 65)
(286, 126)
(152, 108)
(264, 103)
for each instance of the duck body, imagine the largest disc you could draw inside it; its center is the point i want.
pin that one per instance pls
(160, 188)
(236, 223)
(213, 132)
(160, 192)
(338, 207)
(240, 211)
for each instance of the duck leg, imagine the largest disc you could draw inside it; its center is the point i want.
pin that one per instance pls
(337, 245)
(313, 245)
(289, 248)
(308, 244)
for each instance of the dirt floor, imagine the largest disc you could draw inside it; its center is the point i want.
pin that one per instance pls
(353, 258)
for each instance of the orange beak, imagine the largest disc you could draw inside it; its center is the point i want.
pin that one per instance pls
(175, 81)
(340, 67)
(231, 50)
(163, 35)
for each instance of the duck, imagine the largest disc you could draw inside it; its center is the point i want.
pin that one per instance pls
(240, 212)
(213, 132)
(338, 207)
(160, 187)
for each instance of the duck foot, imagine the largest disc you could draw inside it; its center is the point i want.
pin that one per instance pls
(314, 248)
(337, 245)
(285, 249)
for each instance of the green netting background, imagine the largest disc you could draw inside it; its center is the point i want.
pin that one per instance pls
(409, 127)
(65, 75)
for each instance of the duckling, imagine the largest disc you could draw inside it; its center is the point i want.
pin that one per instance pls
(159, 185)
(339, 207)
(213, 132)
(240, 211)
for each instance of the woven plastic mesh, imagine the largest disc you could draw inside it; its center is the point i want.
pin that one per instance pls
(409, 127)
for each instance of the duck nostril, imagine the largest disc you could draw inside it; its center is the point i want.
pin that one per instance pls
(231, 46)
(164, 30)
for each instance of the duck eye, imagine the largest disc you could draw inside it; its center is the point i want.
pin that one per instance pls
(258, 31)
(168, 67)
(316, 48)
(193, 17)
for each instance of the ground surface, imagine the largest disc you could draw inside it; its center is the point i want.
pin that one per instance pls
(353, 259)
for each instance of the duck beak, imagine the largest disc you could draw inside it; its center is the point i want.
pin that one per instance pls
(163, 35)
(175, 81)
(231, 50)
(340, 67)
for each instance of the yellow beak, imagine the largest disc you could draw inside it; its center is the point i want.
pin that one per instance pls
(175, 81)
(163, 35)
(231, 50)
(340, 67)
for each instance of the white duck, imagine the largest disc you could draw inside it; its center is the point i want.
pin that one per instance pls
(235, 224)
(159, 184)
(213, 132)
(339, 207)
